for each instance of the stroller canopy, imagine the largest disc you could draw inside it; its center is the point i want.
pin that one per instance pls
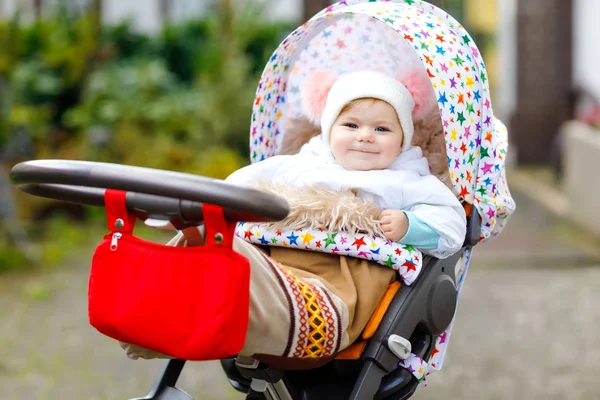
(390, 36)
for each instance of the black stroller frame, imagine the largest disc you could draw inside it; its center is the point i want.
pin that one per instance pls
(416, 316)
(419, 313)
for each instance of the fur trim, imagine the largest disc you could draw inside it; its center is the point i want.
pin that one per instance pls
(314, 92)
(298, 132)
(429, 136)
(317, 207)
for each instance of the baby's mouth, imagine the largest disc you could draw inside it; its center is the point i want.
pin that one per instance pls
(364, 151)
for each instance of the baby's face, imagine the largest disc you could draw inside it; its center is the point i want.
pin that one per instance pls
(366, 136)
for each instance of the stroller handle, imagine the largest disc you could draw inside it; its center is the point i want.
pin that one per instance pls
(150, 191)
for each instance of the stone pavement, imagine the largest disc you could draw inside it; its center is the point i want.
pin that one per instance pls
(535, 237)
(526, 328)
(528, 318)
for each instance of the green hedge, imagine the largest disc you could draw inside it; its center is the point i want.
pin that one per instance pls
(79, 95)
(179, 100)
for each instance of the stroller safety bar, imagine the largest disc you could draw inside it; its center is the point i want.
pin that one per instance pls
(151, 192)
(149, 208)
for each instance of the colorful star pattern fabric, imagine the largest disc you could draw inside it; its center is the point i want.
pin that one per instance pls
(391, 36)
(405, 259)
(441, 343)
(355, 34)
(416, 366)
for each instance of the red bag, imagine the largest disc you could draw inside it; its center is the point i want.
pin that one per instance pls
(187, 302)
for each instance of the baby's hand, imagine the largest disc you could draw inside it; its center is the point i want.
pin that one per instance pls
(394, 224)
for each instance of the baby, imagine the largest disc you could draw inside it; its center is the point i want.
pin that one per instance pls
(363, 155)
(366, 120)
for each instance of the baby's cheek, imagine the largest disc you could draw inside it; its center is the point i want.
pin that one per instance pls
(337, 150)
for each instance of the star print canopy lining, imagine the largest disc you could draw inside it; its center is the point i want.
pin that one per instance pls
(390, 36)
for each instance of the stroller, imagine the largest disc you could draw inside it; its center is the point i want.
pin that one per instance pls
(408, 334)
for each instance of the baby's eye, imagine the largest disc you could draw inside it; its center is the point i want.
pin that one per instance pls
(382, 129)
(351, 125)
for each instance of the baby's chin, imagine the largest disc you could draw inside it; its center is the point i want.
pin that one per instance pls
(360, 165)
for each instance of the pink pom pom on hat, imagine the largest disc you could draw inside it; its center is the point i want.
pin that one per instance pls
(419, 85)
(314, 92)
(325, 93)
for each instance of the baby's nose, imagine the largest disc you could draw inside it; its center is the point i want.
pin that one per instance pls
(365, 135)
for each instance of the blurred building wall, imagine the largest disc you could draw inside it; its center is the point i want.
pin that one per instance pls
(481, 20)
(146, 17)
(535, 73)
(586, 51)
(482, 14)
(506, 84)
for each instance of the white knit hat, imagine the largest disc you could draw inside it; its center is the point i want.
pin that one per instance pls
(355, 85)
(361, 84)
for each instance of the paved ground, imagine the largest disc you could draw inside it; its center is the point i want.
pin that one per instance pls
(526, 329)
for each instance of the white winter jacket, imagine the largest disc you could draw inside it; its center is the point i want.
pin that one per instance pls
(406, 185)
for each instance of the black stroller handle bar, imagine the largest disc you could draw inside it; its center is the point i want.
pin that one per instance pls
(149, 191)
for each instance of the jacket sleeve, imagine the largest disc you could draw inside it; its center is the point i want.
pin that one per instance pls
(435, 205)
(257, 172)
(419, 234)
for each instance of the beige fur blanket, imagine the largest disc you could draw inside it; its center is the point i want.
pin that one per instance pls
(317, 207)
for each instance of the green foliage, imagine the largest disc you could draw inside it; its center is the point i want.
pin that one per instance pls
(43, 66)
(12, 259)
(180, 100)
(125, 43)
(51, 70)
(37, 292)
(138, 92)
(182, 46)
(54, 241)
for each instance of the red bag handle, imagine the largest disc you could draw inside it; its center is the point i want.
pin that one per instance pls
(219, 231)
(117, 217)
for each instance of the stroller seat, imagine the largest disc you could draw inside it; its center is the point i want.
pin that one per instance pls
(371, 367)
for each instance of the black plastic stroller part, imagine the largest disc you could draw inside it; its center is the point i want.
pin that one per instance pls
(473, 229)
(181, 213)
(164, 386)
(234, 376)
(252, 369)
(430, 303)
(153, 191)
(335, 381)
(400, 384)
